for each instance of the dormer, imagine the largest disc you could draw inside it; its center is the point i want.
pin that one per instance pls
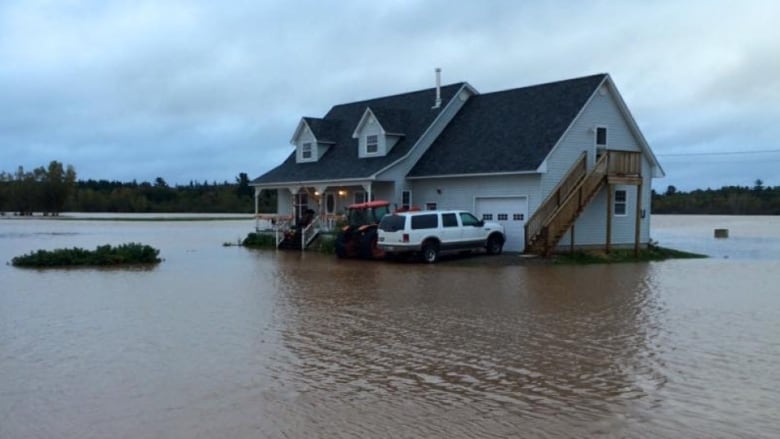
(378, 131)
(311, 139)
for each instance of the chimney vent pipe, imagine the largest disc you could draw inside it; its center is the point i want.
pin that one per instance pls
(437, 104)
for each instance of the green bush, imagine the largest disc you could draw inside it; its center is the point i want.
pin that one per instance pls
(259, 240)
(124, 254)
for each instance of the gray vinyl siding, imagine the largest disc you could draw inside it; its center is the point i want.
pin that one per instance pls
(590, 227)
(601, 110)
(284, 202)
(460, 193)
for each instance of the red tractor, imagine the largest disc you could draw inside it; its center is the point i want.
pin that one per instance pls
(358, 238)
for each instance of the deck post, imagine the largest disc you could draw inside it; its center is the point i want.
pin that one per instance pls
(257, 207)
(608, 242)
(638, 219)
(571, 243)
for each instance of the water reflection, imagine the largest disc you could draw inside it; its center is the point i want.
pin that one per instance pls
(531, 341)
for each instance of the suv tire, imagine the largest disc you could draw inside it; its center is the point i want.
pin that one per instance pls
(495, 245)
(430, 252)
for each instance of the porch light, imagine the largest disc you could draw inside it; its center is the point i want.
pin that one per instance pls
(316, 193)
(342, 193)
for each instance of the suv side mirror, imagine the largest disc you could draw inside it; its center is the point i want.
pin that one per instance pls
(479, 223)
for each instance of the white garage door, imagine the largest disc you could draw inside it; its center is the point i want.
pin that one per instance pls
(510, 212)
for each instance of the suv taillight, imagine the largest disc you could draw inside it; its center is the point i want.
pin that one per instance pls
(405, 237)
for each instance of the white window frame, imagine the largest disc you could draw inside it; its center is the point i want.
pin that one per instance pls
(596, 136)
(623, 203)
(431, 205)
(307, 147)
(369, 143)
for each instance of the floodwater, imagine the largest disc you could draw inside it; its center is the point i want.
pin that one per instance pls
(230, 342)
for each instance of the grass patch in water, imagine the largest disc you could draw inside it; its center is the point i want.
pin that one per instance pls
(103, 255)
(651, 253)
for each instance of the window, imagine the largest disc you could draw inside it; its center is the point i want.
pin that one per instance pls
(449, 220)
(359, 197)
(429, 221)
(620, 202)
(487, 217)
(503, 217)
(601, 136)
(430, 206)
(468, 219)
(406, 199)
(372, 144)
(306, 151)
(518, 217)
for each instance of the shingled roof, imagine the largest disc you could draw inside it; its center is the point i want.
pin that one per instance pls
(507, 131)
(409, 114)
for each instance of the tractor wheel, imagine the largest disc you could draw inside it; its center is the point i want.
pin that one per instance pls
(341, 246)
(369, 248)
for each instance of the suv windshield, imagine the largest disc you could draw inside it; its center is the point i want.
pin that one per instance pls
(392, 223)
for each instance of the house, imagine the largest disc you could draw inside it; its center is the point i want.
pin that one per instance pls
(561, 164)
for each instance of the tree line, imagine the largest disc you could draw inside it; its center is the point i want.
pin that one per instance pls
(728, 200)
(54, 189)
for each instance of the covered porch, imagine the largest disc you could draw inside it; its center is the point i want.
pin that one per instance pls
(316, 207)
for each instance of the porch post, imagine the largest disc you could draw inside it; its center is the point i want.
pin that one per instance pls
(320, 201)
(257, 205)
(294, 192)
(638, 219)
(608, 243)
(367, 187)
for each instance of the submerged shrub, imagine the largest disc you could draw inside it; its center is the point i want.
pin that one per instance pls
(259, 240)
(132, 253)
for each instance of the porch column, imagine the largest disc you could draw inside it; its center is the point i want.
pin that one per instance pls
(257, 207)
(321, 206)
(609, 219)
(638, 219)
(367, 187)
(294, 192)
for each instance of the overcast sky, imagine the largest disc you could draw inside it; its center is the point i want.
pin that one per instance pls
(203, 90)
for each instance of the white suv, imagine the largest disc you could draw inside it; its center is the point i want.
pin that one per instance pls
(433, 231)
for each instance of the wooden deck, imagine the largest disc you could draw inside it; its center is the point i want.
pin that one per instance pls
(565, 203)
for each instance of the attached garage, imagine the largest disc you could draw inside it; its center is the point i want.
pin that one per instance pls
(511, 212)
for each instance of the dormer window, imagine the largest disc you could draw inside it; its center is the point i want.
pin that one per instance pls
(372, 144)
(306, 151)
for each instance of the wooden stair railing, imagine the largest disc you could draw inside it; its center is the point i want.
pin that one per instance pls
(566, 212)
(537, 221)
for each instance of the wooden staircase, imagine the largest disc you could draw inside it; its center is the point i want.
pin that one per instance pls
(576, 190)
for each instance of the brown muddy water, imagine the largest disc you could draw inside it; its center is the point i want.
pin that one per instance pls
(230, 342)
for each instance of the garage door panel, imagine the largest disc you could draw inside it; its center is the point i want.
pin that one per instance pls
(510, 212)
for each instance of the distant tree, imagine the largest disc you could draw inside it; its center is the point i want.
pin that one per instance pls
(58, 184)
(160, 182)
(670, 190)
(243, 189)
(758, 186)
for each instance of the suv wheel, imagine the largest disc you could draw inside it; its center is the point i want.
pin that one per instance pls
(430, 252)
(495, 245)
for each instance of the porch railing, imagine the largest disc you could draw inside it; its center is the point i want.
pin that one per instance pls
(310, 232)
(557, 196)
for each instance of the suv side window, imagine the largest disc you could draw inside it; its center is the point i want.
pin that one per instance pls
(449, 220)
(468, 219)
(427, 221)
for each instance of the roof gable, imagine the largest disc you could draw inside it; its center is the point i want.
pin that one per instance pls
(507, 131)
(410, 113)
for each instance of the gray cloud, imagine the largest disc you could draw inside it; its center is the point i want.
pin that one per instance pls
(204, 90)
